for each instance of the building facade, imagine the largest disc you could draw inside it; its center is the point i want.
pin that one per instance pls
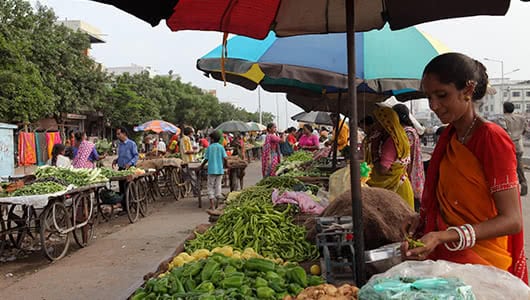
(515, 91)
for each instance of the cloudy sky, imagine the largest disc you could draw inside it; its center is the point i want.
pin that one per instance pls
(132, 41)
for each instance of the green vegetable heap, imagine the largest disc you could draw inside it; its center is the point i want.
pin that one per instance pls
(109, 173)
(103, 146)
(38, 188)
(77, 177)
(220, 277)
(259, 226)
(256, 194)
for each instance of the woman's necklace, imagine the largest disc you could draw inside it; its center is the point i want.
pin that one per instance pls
(469, 129)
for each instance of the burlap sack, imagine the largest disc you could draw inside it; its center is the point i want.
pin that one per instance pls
(383, 214)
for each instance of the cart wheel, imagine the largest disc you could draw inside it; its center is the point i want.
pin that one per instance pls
(142, 194)
(83, 235)
(54, 244)
(3, 232)
(18, 224)
(131, 202)
(174, 183)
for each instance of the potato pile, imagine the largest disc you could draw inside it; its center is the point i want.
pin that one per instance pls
(327, 292)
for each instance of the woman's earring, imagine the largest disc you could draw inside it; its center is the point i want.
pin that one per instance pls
(468, 98)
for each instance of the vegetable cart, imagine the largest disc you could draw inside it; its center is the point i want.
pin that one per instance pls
(49, 218)
(137, 192)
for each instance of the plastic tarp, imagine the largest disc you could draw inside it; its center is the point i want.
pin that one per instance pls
(486, 282)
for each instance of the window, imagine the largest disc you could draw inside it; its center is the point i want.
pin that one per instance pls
(491, 107)
(527, 93)
(517, 106)
(516, 94)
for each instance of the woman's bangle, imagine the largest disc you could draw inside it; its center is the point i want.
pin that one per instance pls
(467, 236)
(460, 242)
(473, 234)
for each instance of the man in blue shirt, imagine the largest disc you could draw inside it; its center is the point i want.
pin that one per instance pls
(215, 156)
(127, 150)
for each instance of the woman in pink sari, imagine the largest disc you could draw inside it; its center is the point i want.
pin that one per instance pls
(270, 157)
(86, 155)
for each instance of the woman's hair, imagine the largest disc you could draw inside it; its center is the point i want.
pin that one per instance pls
(187, 130)
(308, 127)
(269, 126)
(79, 136)
(459, 69)
(403, 113)
(56, 150)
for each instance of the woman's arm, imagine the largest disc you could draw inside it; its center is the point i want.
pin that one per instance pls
(508, 221)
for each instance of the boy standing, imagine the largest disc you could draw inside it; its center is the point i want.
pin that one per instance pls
(215, 156)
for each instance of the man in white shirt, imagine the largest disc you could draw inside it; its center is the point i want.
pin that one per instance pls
(161, 146)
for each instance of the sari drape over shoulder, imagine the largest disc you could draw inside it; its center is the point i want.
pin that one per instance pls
(459, 190)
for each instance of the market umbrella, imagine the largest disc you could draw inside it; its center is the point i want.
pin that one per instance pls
(158, 126)
(317, 64)
(255, 126)
(240, 17)
(233, 126)
(315, 117)
(295, 17)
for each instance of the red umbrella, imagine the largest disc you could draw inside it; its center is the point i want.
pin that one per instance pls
(255, 18)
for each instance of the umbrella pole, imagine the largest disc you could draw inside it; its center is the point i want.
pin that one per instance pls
(355, 176)
(335, 138)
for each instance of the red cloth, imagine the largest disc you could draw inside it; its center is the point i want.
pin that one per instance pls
(204, 143)
(487, 142)
(27, 152)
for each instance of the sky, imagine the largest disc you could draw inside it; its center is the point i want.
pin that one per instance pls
(132, 41)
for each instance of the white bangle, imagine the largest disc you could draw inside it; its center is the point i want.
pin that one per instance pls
(467, 236)
(460, 242)
(473, 234)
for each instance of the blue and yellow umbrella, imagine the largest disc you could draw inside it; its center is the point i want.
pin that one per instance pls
(388, 62)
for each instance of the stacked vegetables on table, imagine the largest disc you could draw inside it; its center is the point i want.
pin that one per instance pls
(38, 188)
(109, 173)
(221, 277)
(300, 164)
(103, 146)
(76, 177)
(259, 226)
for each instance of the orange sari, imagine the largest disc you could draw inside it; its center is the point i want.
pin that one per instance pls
(460, 184)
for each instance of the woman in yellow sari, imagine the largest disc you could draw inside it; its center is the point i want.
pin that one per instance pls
(470, 210)
(388, 151)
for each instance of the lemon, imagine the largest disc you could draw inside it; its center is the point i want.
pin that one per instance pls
(315, 270)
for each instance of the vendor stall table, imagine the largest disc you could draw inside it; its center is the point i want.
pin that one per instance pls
(51, 217)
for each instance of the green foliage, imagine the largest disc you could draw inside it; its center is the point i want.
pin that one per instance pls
(44, 72)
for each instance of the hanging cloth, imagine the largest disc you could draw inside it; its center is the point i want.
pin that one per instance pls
(52, 138)
(26, 149)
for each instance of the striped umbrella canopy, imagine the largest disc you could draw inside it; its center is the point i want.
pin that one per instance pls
(388, 62)
(158, 126)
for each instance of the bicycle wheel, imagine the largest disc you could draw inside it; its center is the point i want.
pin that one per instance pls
(54, 243)
(131, 202)
(18, 224)
(81, 209)
(142, 194)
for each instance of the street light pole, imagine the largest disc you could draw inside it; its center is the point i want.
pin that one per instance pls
(259, 105)
(502, 75)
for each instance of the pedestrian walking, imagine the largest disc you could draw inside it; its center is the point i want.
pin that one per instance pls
(215, 156)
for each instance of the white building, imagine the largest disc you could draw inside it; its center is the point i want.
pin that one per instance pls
(133, 69)
(515, 91)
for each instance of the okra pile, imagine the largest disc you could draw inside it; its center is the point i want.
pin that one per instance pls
(222, 277)
(258, 226)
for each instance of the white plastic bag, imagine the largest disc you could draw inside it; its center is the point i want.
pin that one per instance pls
(487, 282)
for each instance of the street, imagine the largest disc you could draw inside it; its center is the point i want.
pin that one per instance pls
(113, 266)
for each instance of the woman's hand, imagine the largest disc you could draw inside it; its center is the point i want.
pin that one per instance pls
(431, 240)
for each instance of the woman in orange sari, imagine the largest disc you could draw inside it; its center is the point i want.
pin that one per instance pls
(471, 210)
